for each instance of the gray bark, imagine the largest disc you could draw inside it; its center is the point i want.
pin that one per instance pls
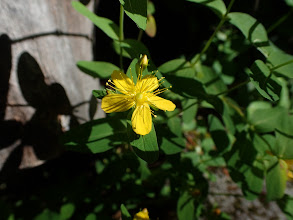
(42, 91)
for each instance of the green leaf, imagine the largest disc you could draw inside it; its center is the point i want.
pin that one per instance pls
(99, 94)
(285, 101)
(105, 24)
(144, 146)
(244, 167)
(286, 204)
(186, 207)
(277, 58)
(131, 71)
(263, 143)
(187, 87)
(125, 213)
(212, 82)
(265, 119)
(47, 214)
(66, 211)
(276, 177)
(172, 65)
(137, 11)
(252, 30)
(91, 216)
(96, 136)
(98, 69)
(218, 6)
(193, 89)
(131, 48)
(172, 141)
(289, 2)
(266, 84)
(284, 137)
(188, 115)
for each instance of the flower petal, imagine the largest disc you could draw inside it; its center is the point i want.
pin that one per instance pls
(116, 103)
(142, 119)
(161, 103)
(122, 82)
(148, 83)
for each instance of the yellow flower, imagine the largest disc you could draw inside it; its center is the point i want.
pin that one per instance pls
(141, 96)
(142, 215)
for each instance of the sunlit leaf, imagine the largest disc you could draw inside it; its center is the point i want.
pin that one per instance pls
(131, 48)
(98, 69)
(252, 29)
(172, 65)
(137, 11)
(105, 24)
(265, 119)
(277, 58)
(284, 137)
(186, 207)
(276, 177)
(218, 6)
(144, 146)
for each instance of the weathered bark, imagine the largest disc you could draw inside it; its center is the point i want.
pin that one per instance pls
(42, 93)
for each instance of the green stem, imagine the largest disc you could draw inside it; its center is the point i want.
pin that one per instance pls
(214, 34)
(233, 88)
(280, 21)
(189, 106)
(282, 64)
(140, 35)
(236, 108)
(121, 34)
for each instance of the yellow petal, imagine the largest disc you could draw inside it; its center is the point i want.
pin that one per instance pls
(142, 119)
(116, 103)
(122, 82)
(161, 103)
(142, 215)
(148, 83)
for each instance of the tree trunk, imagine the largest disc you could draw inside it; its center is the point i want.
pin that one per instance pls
(42, 92)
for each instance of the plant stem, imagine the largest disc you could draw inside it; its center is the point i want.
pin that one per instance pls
(280, 21)
(189, 106)
(140, 35)
(121, 34)
(214, 34)
(282, 64)
(233, 88)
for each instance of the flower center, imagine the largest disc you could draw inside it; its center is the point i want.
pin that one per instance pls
(140, 98)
